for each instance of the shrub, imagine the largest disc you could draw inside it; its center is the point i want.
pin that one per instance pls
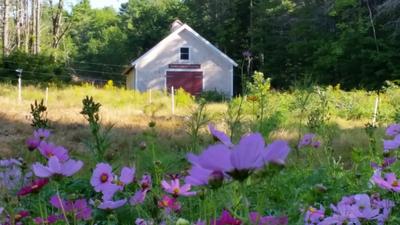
(213, 96)
(183, 98)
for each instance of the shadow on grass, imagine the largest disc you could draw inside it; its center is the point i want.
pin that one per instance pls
(166, 144)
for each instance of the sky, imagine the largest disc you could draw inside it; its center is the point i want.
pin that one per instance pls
(103, 3)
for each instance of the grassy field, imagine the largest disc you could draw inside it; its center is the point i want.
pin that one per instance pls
(130, 113)
(150, 138)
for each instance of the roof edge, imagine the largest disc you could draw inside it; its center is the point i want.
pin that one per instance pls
(197, 35)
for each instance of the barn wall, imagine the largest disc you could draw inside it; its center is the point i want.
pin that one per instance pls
(152, 67)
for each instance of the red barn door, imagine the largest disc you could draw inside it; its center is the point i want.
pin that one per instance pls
(190, 81)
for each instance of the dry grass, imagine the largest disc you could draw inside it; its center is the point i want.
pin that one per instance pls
(126, 111)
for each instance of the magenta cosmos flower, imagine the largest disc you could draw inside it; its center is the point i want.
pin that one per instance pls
(79, 208)
(226, 219)
(49, 220)
(56, 167)
(49, 149)
(34, 187)
(176, 189)
(257, 219)
(389, 182)
(169, 204)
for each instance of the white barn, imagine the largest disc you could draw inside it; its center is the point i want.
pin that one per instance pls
(182, 59)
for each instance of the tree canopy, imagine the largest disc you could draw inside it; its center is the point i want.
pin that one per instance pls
(352, 42)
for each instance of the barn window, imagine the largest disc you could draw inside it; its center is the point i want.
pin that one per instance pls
(185, 53)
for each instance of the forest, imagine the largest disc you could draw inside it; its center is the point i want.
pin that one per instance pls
(354, 43)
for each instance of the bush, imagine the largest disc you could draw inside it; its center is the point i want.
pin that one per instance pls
(183, 98)
(213, 96)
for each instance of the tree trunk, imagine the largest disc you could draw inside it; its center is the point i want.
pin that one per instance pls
(32, 28)
(27, 32)
(5, 28)
(37, 27)
(19, 7)
(57, 23)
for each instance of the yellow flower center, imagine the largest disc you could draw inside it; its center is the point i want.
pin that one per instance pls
(395, 183)
(164, 203)
(312, 210)
(104, 178)
(176, 191)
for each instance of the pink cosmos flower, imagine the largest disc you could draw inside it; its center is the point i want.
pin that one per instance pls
(41, 134)
(277, 152)
(238, 161)
(49, 149)
(175, 189)
(34, 187)
(200, 222)
(127, 176)
(226, 219)
(138, 197)
(109, 205)
(314, 216)
(79, 208)
(49, 220)
(145, 183)
(309, 140)
(102, 177)
(357, 208)
(56, 167)
(386, 163)
(257, 219)
(391, 144)
(169, 204)
(32, 143)
(219, 135)
(390, 182)
(393, 130)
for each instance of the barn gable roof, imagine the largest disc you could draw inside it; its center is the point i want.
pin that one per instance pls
(177, 31)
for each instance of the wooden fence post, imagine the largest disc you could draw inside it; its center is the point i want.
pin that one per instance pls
(19, 89)
(375, 110)
(47, 95)
(173, 100)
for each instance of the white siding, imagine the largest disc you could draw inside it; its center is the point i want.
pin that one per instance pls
(130, 79)
(151, 69)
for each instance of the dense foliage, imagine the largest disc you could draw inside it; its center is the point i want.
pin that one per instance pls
(354, 43)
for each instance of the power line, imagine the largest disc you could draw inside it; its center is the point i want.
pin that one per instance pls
(82, 70)
(61, 76)
(105, 64)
